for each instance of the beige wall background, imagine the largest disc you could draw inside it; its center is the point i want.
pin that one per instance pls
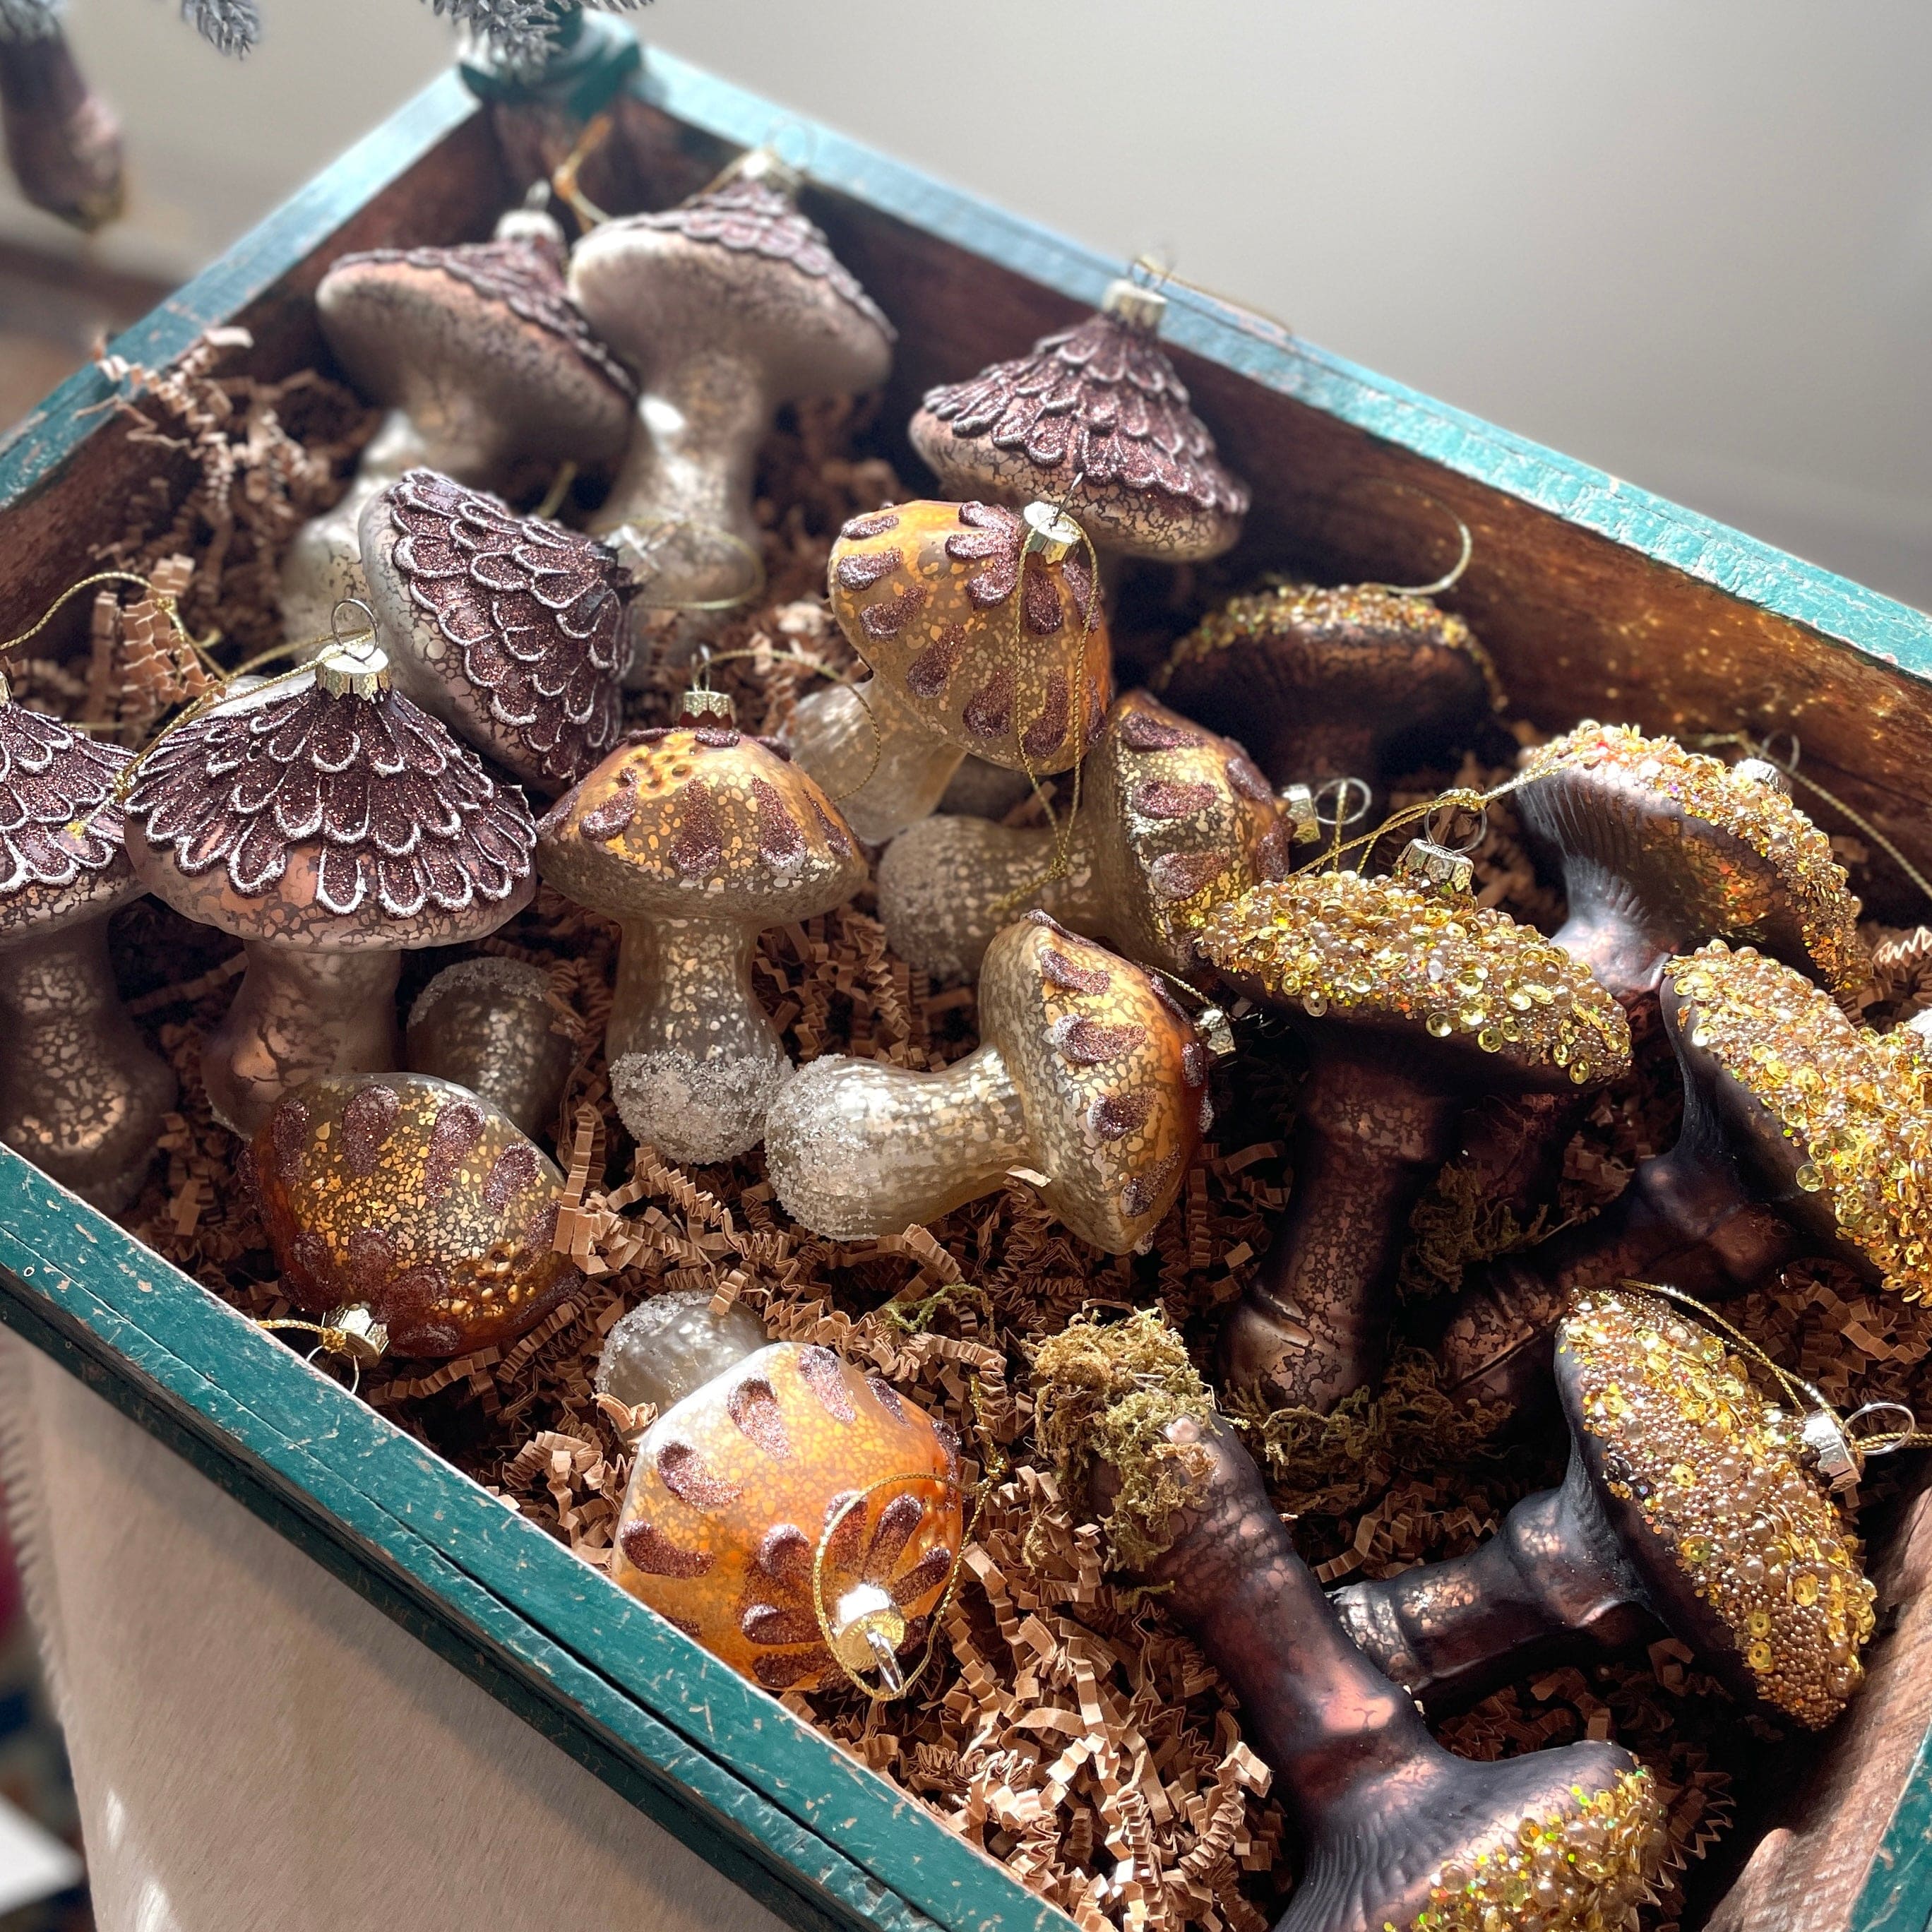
(1692, 245)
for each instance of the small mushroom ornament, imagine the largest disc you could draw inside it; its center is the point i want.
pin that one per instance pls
(982, 629)
(493, 1025)
(1089, 1078)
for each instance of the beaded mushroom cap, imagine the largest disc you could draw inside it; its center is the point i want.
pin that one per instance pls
(1662, 848)
(1174, 821)
(417, 1199)
(1323, 684)
(735, 1488)
(511, 629)
(1095, 419)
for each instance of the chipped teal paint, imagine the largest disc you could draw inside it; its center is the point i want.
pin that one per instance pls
(765, 1786)
(1897, 1893)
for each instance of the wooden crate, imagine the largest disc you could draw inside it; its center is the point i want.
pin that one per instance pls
(1593, 596)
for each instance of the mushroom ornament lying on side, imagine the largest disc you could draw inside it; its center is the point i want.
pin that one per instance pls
(483, 362)
(695, 840)
(728, 305)
(511, 629)
(1089, 1076)
(1173, 820)
(1690, 1503)
(983, 632)
(331, 826)
(80, 1094)
(416, 1200)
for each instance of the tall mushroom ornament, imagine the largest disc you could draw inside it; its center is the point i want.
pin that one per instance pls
(80, 1094)
(331, 825)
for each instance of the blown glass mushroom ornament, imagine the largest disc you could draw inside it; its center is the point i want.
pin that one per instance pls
(1690, 1503)
(1361, 681)
(728, 306)
(983, 632)
(63, 140)
(1173, 821)
(81, 1096)
(1411, 1001)
(1395, 1831)
(493, 1026)
(1801, 1133)
(789, 1512)
(415, 1199)
(331, 825)
(484, 364)
(511, 629)
(694, 840)
(1089, 1078)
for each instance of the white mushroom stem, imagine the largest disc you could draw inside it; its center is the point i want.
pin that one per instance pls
(855, 1148)
(80, 1094)
(834, 738)
(695, 1061)
(299, 1015)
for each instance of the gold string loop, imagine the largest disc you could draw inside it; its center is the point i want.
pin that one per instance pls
(351, 1332)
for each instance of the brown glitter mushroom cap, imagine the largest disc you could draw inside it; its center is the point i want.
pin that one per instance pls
(738, 271)
(511, 629)
(1837, 1121)
(1111, 1075)
(329, 813)
(1094, 418)
(1738, 1543)
(998, 649)
(483, 329)
(1465, 991)
(62, 853)
(700, 822)
(1703, 849)
(1387, 674)
(734, 1488)
(417, 1198)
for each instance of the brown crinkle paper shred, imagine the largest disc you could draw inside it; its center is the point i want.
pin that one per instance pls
(1066, 1726)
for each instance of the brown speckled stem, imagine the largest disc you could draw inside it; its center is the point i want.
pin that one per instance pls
(298, 1016)
(832, 739)
(80, 1094)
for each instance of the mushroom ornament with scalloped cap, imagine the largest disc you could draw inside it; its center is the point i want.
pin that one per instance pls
(694, 840)
(511, 629)
(1089, 1078)
(80, 1094)
(483, 362)
(983, 631)
(331, 825)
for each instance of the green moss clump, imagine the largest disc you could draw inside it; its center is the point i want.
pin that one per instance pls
(1455, 1223)
(1105, 1397)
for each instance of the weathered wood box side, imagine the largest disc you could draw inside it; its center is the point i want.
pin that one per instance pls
(1594, 597)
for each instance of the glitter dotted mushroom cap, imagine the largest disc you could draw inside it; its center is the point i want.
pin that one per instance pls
(1662, 848)
(417, 1199)
(1089, 1077)
(695, 839)
(1174, 821)
(984, 633)
(511, 629)
(734, 1488)
(1095, 419)
(1322, 684)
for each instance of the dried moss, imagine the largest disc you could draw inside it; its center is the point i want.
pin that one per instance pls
(1454, 1224)
(1106, 1397)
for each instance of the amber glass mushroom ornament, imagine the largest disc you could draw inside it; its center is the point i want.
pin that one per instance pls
(1802, 1134)
(983, 631)
(1690, 1504)
(80, 1095)
(765, 1466)
(1088, 1077)
(417, 1200)
(331, 826)
(728, 306)
(483, 362)
(1411, 1001)
(696, 839)
(1395, 1832)
(511, 629)
(1173, 821)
